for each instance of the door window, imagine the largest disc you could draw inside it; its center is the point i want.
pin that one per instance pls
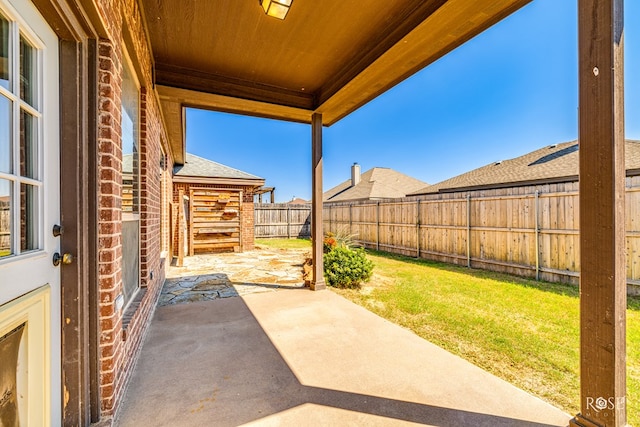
(20, 142)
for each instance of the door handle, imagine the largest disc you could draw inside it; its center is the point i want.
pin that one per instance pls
(58, 259)
(57, 230)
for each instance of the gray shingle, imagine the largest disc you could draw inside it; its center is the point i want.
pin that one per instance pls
(552, 163)
(199, 167)
(376, 183)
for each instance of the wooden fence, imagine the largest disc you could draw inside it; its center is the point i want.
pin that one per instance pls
(282, 220)
(519, 231)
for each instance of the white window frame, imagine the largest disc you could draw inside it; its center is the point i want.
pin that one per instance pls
(19, 28)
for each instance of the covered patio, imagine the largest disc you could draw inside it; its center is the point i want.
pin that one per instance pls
(260, 359)
(326, 59)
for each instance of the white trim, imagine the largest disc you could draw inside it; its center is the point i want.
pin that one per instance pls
(129, 216)
(33, 310)
(241, 182)
(24, 257)
(6, 92)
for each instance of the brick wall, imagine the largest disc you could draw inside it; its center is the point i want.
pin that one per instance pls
(110, 220)
(121, 332)
(247, 221)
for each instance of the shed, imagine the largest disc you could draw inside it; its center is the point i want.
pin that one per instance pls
(213, 207)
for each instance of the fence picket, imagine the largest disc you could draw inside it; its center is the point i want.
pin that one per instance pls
(531, 231)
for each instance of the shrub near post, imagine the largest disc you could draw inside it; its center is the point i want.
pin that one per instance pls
(347, 268)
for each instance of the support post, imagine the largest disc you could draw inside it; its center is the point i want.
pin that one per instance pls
(602, 235)
(316, 202)
(288, 221)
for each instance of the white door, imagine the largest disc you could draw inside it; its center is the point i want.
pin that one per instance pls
(29, 208)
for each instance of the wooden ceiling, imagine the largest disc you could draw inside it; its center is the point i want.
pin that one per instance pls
(328, 56)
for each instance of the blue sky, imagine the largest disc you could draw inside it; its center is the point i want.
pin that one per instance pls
(507, 92)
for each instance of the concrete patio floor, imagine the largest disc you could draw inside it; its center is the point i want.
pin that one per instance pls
(300, 358)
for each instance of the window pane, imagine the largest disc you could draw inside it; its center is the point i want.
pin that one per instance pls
(27, 72)
(5, 135)
(28, 145)
(5, 218)
(4, 52)
(28, 217)
(130, 159)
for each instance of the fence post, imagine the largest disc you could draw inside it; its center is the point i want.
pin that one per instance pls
(537, 235)
(418, 229)
(288, 221)
(330, 220)
(469, 230)
(378, 227)
(350, 220)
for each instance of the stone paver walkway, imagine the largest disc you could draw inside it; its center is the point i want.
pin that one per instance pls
(209, 277)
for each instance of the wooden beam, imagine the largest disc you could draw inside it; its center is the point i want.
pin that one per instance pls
(175, 76)
(381, 43)
(174, 119)
(602, 239)
(316, 203)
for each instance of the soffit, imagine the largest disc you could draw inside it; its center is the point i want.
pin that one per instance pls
(327, 56)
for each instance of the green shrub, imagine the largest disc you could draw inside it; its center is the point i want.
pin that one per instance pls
(347, 268)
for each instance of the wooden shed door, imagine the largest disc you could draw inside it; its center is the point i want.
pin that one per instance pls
(214, 220)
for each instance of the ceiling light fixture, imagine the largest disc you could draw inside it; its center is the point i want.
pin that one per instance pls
(276, 8)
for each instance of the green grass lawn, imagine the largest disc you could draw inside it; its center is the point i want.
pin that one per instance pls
(285, 243)
(523, 331)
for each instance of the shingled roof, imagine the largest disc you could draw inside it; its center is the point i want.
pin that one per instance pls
(375, 184)
(200, 167)
(551, 164)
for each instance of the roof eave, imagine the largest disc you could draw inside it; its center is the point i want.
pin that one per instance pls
(244, 182)
(555, 180)
(351, 88)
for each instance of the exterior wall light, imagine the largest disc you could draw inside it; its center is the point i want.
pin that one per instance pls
(276, 8)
